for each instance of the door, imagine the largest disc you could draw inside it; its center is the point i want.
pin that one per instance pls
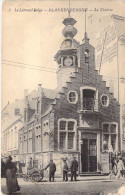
(84, 155)
(89, 155)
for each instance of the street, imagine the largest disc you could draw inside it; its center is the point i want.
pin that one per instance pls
(90, 187)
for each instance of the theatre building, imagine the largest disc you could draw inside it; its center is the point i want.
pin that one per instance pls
(82, 119)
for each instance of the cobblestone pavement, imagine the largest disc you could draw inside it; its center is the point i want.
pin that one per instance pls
(95, 187)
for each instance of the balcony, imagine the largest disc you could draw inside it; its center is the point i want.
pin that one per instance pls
(88, 105)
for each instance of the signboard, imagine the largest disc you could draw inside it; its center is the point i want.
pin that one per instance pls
(104, 162)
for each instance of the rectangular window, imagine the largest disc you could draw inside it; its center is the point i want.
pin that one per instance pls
(113, 141)
(62, 140)
(71, 125)
(70, 140)
(105, 141)
(62, 125)
(110, 136)
(106, 128)
(113, 128)
(17, 111)
(67, 133)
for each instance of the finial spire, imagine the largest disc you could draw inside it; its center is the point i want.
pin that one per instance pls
(85, 35)
(85, 21)
(69, 9)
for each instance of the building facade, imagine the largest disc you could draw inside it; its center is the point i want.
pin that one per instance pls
(79, 118)
(11, 122)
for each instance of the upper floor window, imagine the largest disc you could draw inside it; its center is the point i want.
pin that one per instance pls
(38, 130)
(67, 133)
(86, 56)
(17, 111)
(105, 100)
(72, 97)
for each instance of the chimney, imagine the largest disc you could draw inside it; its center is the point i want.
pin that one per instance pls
(39, 90)
(39, 99)
(25, 93)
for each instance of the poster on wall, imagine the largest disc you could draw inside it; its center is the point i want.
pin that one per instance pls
(62, 92)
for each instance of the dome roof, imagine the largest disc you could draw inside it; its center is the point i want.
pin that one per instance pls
(69, 21)
(69, 31)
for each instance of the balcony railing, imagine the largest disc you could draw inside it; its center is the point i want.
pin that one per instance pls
(89, 104)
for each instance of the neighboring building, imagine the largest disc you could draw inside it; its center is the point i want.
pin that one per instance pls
(110, 49)
(10, 139)
(81, 117)
(123, 126)
(11, 121)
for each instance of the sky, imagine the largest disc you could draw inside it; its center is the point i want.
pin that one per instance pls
(34, 38)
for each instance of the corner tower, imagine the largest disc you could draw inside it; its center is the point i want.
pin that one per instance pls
(66, 57)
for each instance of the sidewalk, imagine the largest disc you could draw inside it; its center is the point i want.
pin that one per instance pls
(83, 178)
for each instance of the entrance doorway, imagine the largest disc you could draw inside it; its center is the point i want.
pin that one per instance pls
(89, 155)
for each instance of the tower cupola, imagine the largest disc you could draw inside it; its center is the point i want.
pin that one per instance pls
(66, 57)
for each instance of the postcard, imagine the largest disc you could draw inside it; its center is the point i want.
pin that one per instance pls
(63, 97)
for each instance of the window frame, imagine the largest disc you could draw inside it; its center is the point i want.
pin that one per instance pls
(76, 99)
(96, 107)
(108, 101)
(66, 131)
(38, 137)
(110, 134)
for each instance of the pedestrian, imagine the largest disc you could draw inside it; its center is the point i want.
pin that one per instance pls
(52, 170)
(29, 166)
(11, 179)
(120, 167)
(114, 168)
(74, 168)
(2, 168)
(65, 171)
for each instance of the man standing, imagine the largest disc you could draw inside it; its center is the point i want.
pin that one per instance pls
(52, 170)
(74, 168)
(65, 171)
(29, 167)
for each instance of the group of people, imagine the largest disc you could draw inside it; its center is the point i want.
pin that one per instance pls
(8, 170)
(73, 167)
(117, 167)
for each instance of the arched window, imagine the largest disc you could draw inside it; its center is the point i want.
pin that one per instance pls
(86, 56)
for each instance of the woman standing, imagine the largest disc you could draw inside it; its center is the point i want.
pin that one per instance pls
(11, 179)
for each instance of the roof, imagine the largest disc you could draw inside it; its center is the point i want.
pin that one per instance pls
(50, 93)
(8, 114)
(10, 121)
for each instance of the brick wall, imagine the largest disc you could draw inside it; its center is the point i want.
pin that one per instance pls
(63, 109)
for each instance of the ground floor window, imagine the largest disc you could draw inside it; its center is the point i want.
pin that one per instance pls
(67, 133)
(110, 136)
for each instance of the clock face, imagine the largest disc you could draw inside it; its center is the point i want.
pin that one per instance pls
(68, 61)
